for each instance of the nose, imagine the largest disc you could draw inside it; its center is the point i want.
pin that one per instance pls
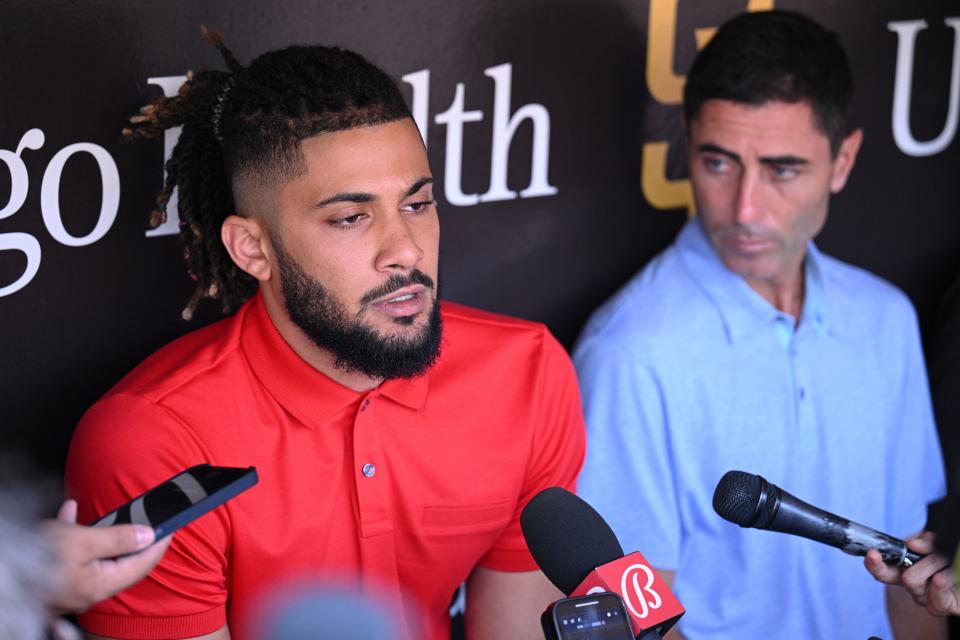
(746, 207)
(399, 249)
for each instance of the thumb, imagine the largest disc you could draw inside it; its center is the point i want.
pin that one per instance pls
(116, 540)
(68, 512)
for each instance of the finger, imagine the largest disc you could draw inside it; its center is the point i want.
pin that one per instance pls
(119, 574)
(879, 569)
(60, 629)
(943, 597)
(915, 577)
(936, 562)
(68, 511)
(916, 584)
(922, 543)
(945, 579)
(110, 542)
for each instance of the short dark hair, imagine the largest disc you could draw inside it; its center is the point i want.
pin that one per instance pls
(759, 57)
(245, 125)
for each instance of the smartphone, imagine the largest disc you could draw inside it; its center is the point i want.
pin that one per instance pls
(600, 616)
(183, 498)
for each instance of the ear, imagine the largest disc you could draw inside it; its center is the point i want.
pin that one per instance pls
(248, 244)
(846, 158)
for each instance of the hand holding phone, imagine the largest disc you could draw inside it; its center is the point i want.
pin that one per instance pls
(94, 564)
(183, 498)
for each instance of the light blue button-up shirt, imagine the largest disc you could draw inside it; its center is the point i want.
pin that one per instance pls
(687, 373)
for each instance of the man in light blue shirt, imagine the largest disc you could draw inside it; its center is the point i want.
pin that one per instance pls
(743, 347)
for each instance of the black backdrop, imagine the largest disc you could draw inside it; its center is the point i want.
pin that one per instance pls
(605, 73)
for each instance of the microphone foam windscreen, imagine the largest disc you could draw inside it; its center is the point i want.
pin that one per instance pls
(567, 537)
(737, 496)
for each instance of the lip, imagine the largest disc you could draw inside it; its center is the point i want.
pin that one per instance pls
(748, 245)
(408, 301)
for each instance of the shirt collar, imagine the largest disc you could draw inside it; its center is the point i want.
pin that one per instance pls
(310, 395)
(409, 392)
(814, 312)
(742, 309)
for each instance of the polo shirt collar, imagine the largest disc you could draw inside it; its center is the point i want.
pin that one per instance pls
(409, 392)
(310, 395)
(814, 312)
(742, 309)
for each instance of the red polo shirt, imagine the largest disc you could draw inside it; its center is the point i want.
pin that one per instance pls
(455, 454)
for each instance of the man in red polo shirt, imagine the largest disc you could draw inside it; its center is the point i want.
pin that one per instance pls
(387, 449)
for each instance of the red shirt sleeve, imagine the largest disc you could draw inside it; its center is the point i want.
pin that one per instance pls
(124, 446)
(556, 452)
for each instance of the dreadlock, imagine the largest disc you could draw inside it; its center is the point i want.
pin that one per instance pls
(244, 127)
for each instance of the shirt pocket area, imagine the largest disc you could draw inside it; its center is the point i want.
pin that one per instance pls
(490, 516)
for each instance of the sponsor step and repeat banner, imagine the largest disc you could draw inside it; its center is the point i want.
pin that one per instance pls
(553, 129)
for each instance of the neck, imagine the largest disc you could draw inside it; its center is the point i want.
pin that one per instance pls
(785, 294)
(320, 359)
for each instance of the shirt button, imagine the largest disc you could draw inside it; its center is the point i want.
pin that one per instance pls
(802, 394)
(369, 470)
(366, 403)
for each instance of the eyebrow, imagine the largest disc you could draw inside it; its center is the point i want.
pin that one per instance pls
(419, 184)
(788, 160)
(369, 197)
(346, 197)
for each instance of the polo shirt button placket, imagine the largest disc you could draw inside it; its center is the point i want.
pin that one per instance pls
(368, 470)
(371, 485)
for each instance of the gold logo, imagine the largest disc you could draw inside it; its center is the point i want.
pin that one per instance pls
(666, 87)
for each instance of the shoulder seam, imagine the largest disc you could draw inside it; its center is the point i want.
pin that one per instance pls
(197, 373)
(171, 414)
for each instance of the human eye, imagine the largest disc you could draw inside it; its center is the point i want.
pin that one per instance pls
(715, 164)
(419, 206)
(348, 221)
(782, 172)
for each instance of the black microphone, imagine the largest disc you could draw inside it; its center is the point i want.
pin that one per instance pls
(748, 500)
(571, 542)
(566, 537)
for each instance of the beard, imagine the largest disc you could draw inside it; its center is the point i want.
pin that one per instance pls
(357, 347)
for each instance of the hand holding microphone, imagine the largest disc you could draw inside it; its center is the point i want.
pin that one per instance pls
(931, 582)
(750, 501)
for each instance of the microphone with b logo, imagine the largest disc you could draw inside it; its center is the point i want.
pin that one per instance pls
(579, 553)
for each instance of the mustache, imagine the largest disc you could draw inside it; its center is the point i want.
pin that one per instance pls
(395, 283)
(744, 232)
